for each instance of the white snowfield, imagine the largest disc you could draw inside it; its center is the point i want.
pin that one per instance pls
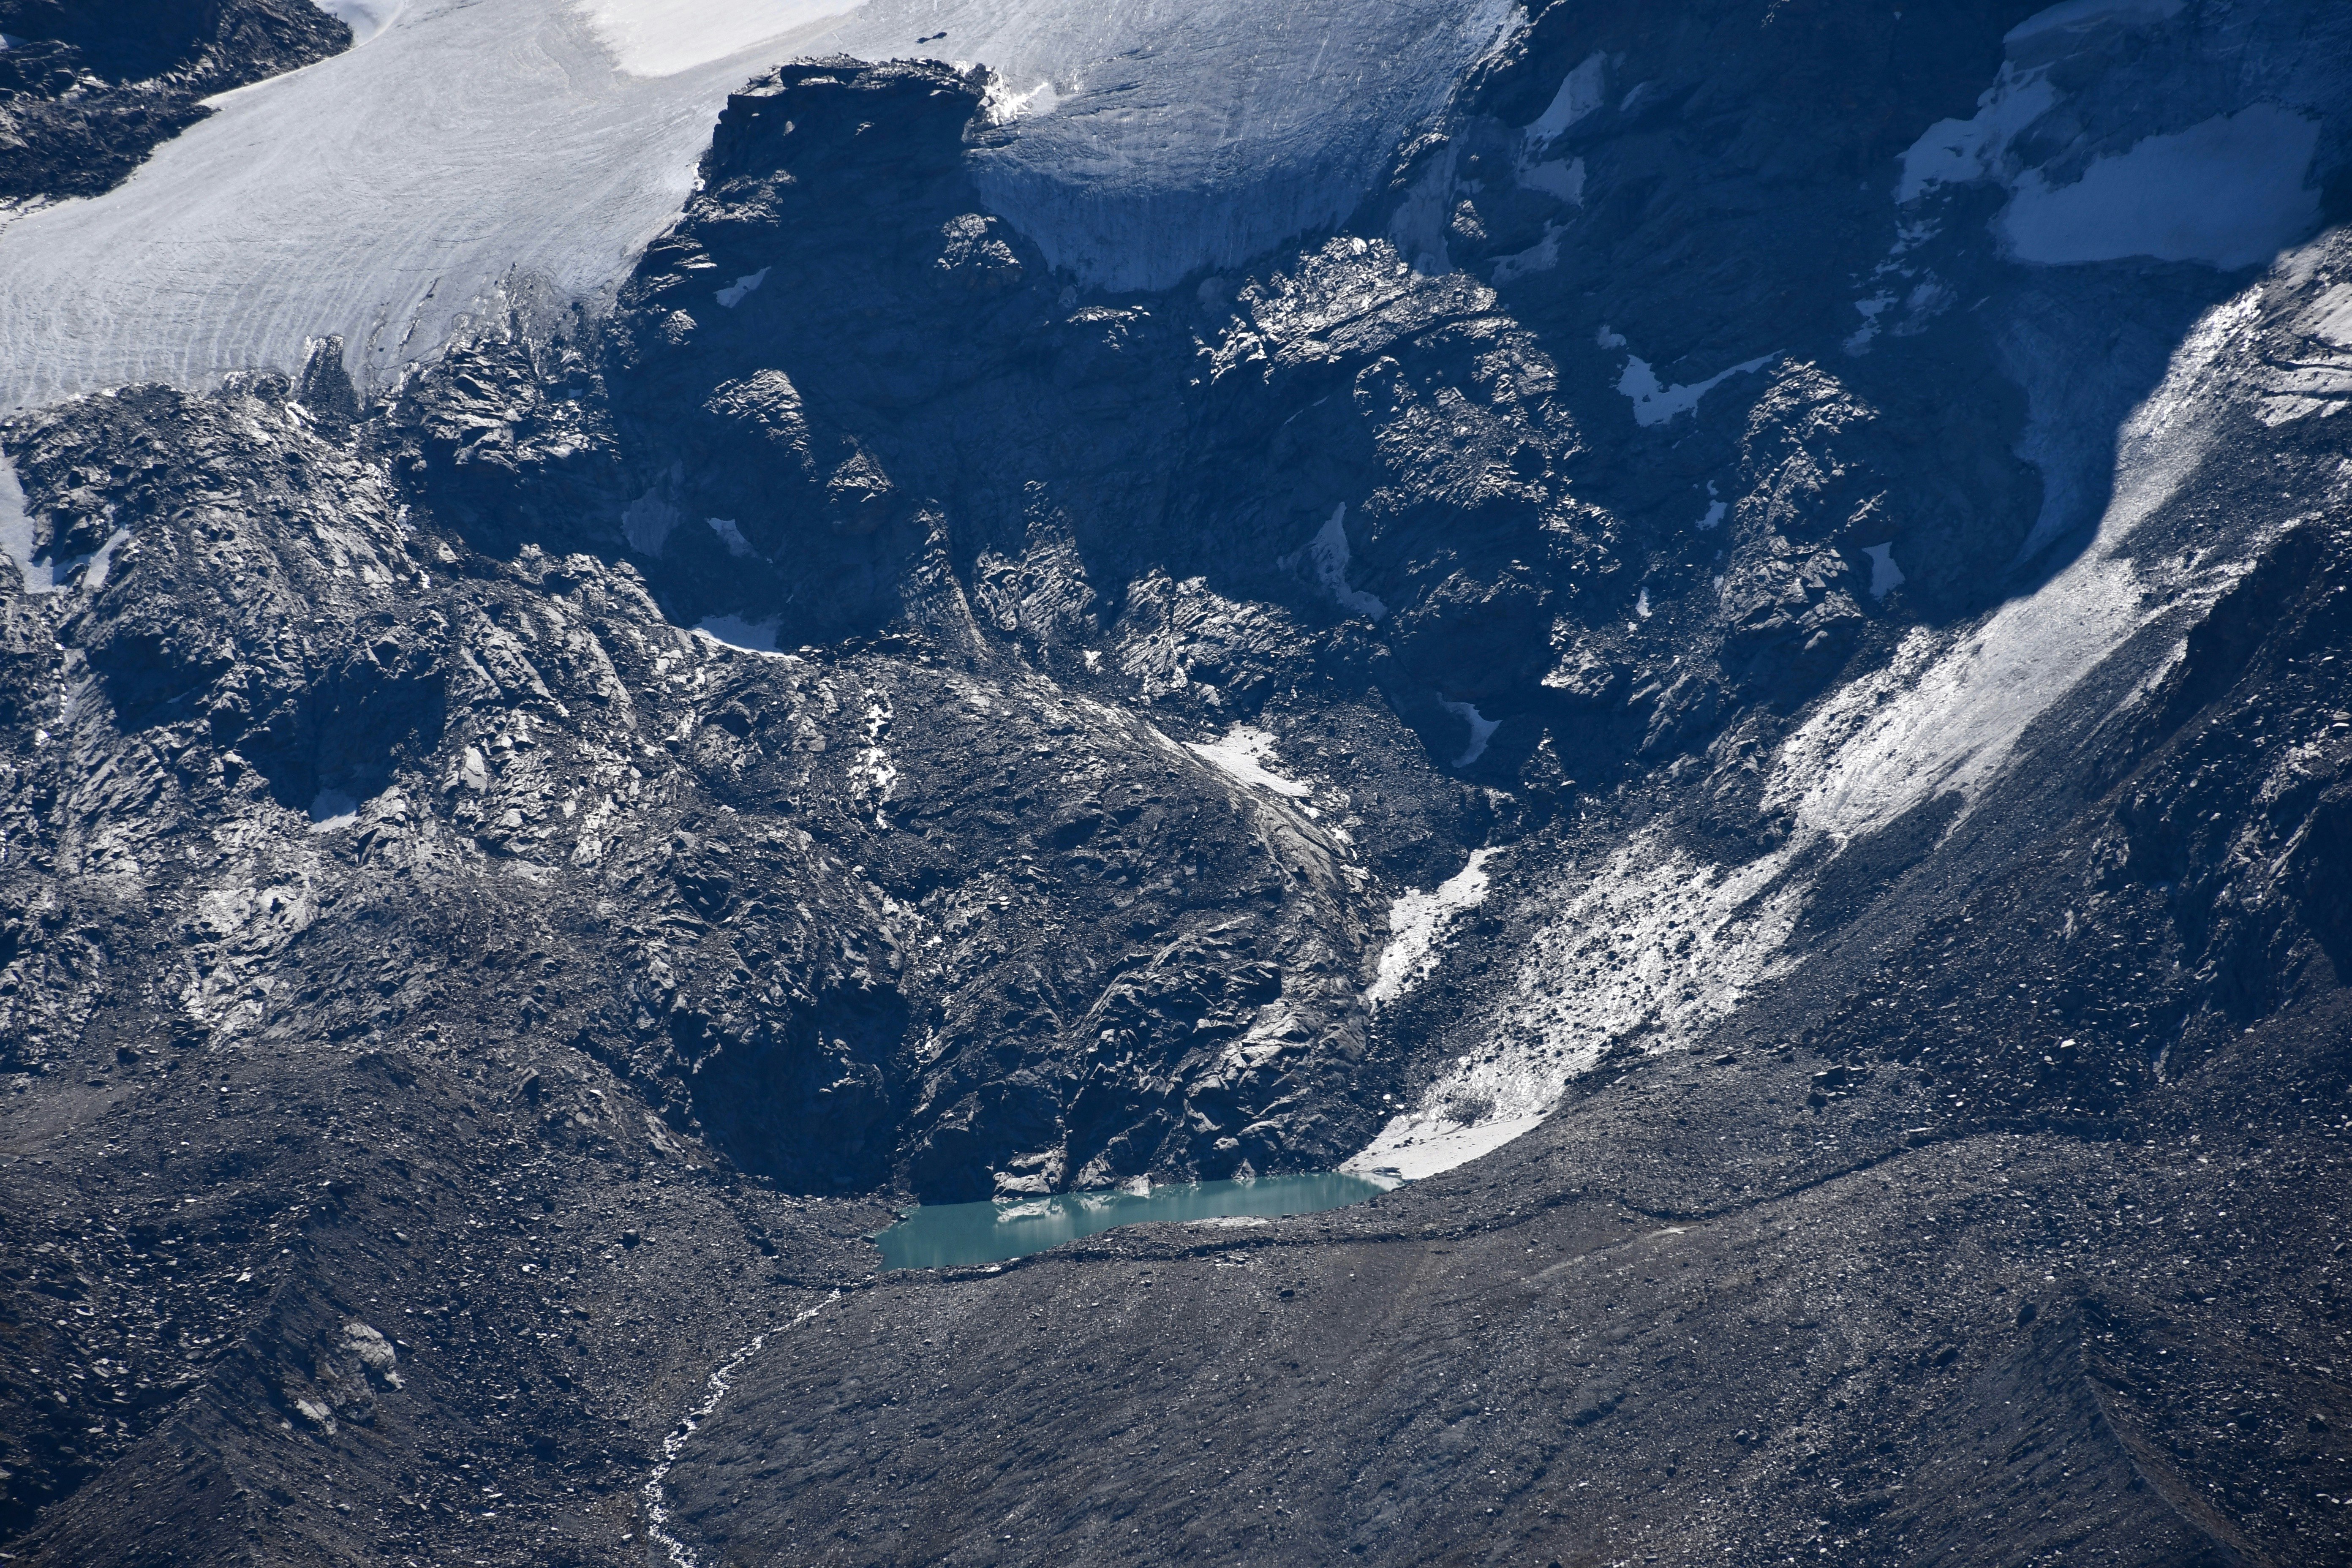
(1651, 947)
(382, 194)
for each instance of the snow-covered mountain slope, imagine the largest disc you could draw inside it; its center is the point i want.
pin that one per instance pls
(379, 197)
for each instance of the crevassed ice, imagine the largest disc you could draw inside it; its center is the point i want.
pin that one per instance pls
(382, 194)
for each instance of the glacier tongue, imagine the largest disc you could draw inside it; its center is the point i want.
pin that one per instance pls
(384, 194)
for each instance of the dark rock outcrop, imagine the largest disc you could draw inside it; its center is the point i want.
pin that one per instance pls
(88, 87)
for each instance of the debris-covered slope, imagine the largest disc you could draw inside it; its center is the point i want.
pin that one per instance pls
(1719, 670)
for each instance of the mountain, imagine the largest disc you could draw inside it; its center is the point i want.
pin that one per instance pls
(644, 632)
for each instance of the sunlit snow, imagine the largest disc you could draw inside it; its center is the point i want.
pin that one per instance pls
(1418, 923)
(1243, 751)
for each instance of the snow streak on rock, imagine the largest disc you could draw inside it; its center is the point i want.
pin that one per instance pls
(1418, 923)
(1651, 950)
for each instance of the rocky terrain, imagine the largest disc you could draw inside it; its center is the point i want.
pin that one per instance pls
(86, 91)
(1707, 675)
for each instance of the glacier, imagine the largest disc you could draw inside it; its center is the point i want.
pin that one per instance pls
(383, 195)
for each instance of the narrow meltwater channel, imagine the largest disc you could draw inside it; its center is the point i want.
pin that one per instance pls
(944, 1235)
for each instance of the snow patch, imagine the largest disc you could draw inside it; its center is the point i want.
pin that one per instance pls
(1870, 308)
(1884, 575)
(1960, 152)
(1654, 948)
(733, 295)
(16, 533)
(752, 637)
(1715, 510)
(1655, 405)
(1243, 751)
(331, 809)
(1541, 256)
(1946, 716)
(101, 561)
(1559, 178)
(2228, 192)
(729, 533)
(646, 524)
(1418, 923)
(1482, 729)
(1328, 553)
(1580, 93)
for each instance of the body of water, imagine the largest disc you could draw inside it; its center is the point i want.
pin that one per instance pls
(944, 1235)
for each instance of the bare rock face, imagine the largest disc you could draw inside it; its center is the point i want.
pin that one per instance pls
(1787, 763)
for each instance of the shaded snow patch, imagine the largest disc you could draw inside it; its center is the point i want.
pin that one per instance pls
(1655, 403)
(1482, 730)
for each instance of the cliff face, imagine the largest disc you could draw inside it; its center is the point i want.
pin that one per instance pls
(1725, 672)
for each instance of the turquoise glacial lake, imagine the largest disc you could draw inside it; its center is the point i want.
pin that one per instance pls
(952, 1235)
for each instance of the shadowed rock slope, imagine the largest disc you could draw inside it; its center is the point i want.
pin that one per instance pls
(88, 89)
